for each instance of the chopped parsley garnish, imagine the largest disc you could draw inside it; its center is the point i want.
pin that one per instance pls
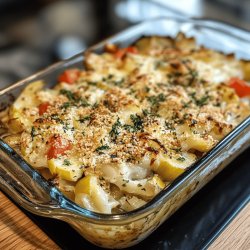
(66, 127)
(181, 159)
(65, 105)
(193, 73)
(203, 101)
(66, 162)
(71, 96)
(101, 148)
(74, 99)
(169, 125)
(155, 100)
(115, 129)
(83, 119)
(33, 132)
(200, 102)
(83, 103)
(137, 124)
(146, 112)
(177, 150)
(186, 104)
(92, 83)
(95, 105)
(56, 118)
(110, 79)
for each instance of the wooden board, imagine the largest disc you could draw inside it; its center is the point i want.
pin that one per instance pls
(17, 231)
(237, 235)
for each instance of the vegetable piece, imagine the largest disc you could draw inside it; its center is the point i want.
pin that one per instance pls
(122, 52)
(169, 168)
(19, 120)
(43, 107)
(58, 146)
(159, 182)
(69, 172)
(69, 76)
(190, 140)
(90, 194)
(241, 87)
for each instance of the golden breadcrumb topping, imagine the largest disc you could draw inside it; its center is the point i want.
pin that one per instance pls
(113, 135)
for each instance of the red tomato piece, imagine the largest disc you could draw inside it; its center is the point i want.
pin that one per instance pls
(120, 53)
(132, 50)
(58, 146)
(241, 87)
(69, 76)
(43, 107)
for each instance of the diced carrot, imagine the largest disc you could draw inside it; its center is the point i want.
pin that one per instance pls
(123, 51)
(43, 107)
(69, 76)
(241, 87)
(58, 146)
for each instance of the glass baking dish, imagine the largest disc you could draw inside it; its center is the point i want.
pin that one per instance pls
(31, 191)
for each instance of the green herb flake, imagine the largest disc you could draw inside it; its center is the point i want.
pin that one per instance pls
(55, 117)
(203, 101)
(137, 121)
(200, 102)
(115, 129)
(181, 159)
(156, 100)
(66, 162)
(83, 103)
(71, 96)
(33, 132)
(74, 100)
(137, 124)
(92, 83)
(101, 148)
(83, 119)
(169, 125)
(95, 105)
(177, 150)
(65, 105)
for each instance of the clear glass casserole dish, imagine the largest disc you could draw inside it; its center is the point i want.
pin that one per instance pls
(28, 188)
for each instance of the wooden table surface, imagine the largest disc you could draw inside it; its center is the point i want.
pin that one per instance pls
(17, 231)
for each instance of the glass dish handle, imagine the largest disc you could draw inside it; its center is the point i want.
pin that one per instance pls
(24, 185)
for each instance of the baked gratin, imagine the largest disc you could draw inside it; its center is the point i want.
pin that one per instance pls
(113, 135)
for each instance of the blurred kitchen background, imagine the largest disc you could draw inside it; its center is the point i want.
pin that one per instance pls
(36, 33)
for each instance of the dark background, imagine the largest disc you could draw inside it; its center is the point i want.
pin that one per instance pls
(36, 33)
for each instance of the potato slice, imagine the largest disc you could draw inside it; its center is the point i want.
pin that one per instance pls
(190, 140)
(245, 65)
(69, 172)
(89, 194)
(21, 112)
(169, 168)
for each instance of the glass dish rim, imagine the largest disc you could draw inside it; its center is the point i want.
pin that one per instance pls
(162, 196)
